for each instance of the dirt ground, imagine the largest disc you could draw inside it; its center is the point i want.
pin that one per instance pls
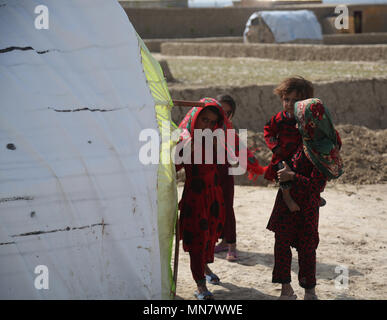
(353, 237)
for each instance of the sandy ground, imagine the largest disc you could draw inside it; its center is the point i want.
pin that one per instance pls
(352, 231)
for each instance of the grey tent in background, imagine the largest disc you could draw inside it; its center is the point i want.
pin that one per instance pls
(299, 26)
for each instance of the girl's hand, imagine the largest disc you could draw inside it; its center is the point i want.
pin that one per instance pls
(286, 173)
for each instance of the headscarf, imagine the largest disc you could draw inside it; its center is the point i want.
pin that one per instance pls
(321, 141)
(189, 121)
(188, 125)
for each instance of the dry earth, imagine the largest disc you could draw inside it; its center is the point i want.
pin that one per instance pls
(352, 234)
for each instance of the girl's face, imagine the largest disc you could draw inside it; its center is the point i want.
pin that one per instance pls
(206, 120)
(227, 110)
(288, 101)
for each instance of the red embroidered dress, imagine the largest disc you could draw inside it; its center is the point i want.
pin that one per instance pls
(307, 185)
(281, 132)
(202, 206)
(316, 161)
(202, 210)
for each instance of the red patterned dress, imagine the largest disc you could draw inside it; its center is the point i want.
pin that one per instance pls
(280, 132)
(299, 230)
(316, 161)
(202, 209)
(202, 206)
(227, 184)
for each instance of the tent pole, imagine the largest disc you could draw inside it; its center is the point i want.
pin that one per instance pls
(184, 103)
(176, 259)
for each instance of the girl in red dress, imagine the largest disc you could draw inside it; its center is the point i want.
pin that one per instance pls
(280, 132)
(316, 161)
(202, 206)
(228, 236)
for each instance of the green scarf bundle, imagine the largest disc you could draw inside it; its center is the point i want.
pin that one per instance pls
(321, 141)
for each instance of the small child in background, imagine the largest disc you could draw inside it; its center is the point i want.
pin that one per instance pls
(226, 181)
(281, 134)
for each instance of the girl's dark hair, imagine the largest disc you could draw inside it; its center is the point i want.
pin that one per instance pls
(227, 99)
(303, 87)
(217, 112)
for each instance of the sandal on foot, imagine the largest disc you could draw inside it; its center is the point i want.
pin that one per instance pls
(221, 247)
(291, 297)
(309, 296)
(206, 295)
(212, 278)
(232, 256)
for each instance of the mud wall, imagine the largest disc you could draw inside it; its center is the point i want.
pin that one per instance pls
(358, 102)
(279, 51)
(356, 38)
(154, 45)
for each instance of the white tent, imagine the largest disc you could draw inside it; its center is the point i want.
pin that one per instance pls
(74, 196)
(287, 26)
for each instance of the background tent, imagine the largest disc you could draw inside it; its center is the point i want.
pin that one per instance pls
(74, 195)
(283, 26)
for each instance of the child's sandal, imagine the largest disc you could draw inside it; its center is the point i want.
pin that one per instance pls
(212, 278)
(206, 295)
(221, 247)
(310, 296)
(232, 256)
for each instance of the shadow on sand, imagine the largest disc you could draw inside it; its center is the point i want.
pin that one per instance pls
(323, 270)
(231, 291)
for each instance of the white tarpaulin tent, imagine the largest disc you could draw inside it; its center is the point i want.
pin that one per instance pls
(287, 26)
(74, 196)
